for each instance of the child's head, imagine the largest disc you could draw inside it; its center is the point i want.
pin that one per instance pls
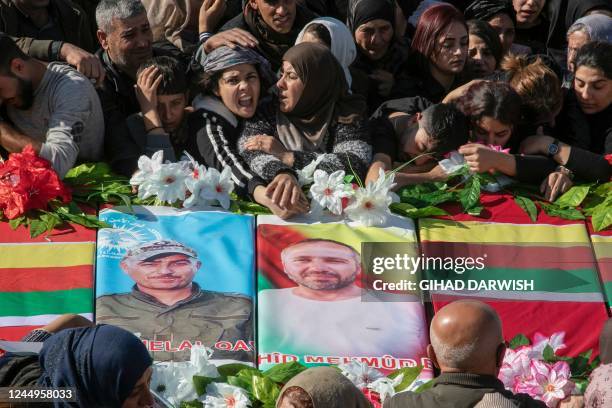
(317, 33)
(171, 92)
(442, 128)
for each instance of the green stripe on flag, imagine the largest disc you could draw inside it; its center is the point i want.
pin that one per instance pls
(38, 303)
(544, 280)
(263, 282)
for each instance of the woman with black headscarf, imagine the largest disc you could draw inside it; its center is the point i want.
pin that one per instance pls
(314, 118)
(104, 366)
(379, 71)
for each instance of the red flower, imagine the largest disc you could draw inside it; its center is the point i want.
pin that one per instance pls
(609, 158)
(28, 182)
(372, 396)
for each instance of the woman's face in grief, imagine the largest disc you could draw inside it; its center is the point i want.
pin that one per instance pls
(239, 89)
(279, 15)
(290, 88)
(504, 27)
(491, 131)
(574, 42)
(593, 90)
(527, 11)
(374, 37)
(481, 61)
(171, 109)
(451, 49)
(141, 396)
(416, 141)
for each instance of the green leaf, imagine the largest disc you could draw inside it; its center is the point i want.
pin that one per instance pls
(191, 404)
(424, 387)
(37, 227)
(233, 369)
(475, 211)
(408, 210)
(410, 374)
(602, 217)
(348, 178)
(580, 364)
(549, 354)
(573, 197)
(16, 222)
(200, 383)
(565, 213)
(51, 220)
(242, 382)
(282, 373)
(470, 195)
(518, 341)
(264, 389)
(528, 206)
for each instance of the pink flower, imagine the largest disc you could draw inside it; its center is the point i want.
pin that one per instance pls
(549, 383)
(555, 341)
(515, 369)
(497, 148)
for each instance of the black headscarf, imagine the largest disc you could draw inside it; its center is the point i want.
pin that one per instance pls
(485, 10)
(102, 363)
(362, 11)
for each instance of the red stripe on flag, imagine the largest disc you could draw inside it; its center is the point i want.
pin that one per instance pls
(15, 333)
(46, 279)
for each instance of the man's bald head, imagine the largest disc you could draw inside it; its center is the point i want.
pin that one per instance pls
(466, 336)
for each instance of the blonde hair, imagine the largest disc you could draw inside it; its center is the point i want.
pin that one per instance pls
(535, 82)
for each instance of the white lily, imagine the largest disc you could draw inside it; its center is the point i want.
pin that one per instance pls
(165, 382)
(454, 163)
(200, 359)
(167, 183)
(218, 186)
(360, 373)
(328, 191)
(222, 395)
(305, 176)
(370, 205)
(147, 166)
(195, 184)
(385, 386)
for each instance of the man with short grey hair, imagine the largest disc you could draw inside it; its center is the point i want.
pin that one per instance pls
(127, 42)
(468, 347)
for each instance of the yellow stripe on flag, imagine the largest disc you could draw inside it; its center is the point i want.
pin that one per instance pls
(482, 232)
(47, 255)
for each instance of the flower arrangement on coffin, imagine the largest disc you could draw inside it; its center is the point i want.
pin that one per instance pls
(32, 195)
(185, 183)
(198, 383)
(579, 202)
(535, 369)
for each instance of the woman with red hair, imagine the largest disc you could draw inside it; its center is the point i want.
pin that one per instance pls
(440, 49)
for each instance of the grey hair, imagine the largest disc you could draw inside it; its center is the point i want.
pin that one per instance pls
(452, 356)
(107, 10)
(579, 27)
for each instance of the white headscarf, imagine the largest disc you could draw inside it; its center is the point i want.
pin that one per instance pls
(342, 43)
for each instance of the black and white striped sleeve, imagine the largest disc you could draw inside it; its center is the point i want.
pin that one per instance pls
(217, 143)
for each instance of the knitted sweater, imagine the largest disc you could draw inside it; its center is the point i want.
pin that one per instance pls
(346, 146)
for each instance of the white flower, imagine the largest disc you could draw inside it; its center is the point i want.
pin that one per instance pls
(328, 191)
(221, 395)
(200, 359)
(146, 167)
(454, 163)
(305, 176)
(164, 382)
(167, 183)
(370, 205)
(195, 184)
(360, 373)
(385, 387)
(540, 342)
(218, 186)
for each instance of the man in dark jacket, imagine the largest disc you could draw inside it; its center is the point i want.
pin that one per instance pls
(52, 30)
(127, 42)
(270, 28)
(468, 347)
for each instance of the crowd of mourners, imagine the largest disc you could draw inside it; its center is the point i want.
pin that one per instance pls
(521, 87)
(518, 87)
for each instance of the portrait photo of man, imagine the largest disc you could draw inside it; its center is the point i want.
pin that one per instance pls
(327, 313)
(166, 307)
